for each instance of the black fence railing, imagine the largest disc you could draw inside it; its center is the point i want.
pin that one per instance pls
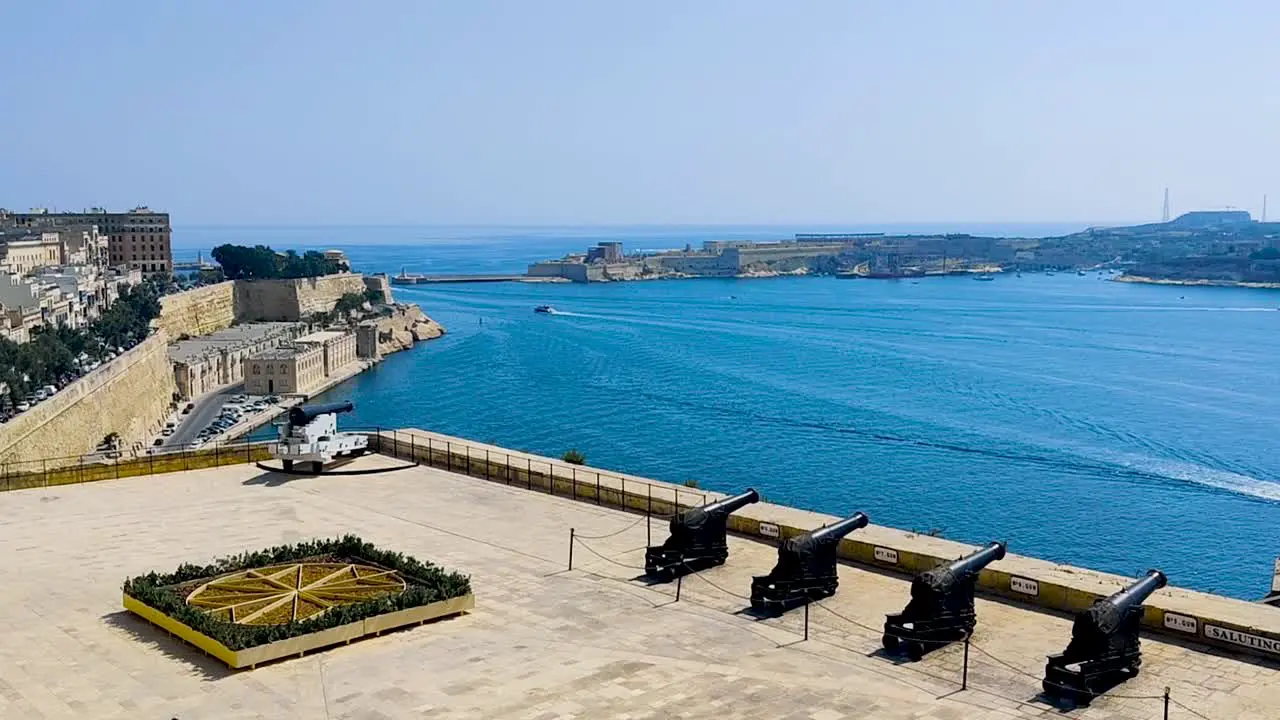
(535, 473)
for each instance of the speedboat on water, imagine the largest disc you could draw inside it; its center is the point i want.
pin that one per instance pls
(545, 309)
(984, 278)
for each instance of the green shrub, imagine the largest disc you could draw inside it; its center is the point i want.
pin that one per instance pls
(691, 483)
(425, 584)
(573, 457)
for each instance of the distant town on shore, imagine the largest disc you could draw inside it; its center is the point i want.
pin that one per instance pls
(1225, 247)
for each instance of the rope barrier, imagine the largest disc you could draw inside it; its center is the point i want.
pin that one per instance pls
(714, 585)
(1033, 676)
(1193, 711)
(603, 557)
(619, 532)
(881, 631)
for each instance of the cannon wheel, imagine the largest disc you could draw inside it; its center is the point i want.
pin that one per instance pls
(287, 464)
(890, 642)
(914, 649)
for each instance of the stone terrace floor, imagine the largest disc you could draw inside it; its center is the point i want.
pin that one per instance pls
(543, 642)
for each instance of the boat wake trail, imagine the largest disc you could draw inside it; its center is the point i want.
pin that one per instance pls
(1140, 469)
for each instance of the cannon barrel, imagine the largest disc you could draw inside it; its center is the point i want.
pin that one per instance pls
(1136, 593)
(837, 530)
(303, 414)
(732, 504)
(971, 564)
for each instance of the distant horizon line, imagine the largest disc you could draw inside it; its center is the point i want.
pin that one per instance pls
(799, 226)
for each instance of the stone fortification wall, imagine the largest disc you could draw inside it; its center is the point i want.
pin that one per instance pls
(198, 312)
(130, 395)
(292, 300)
(380, 283)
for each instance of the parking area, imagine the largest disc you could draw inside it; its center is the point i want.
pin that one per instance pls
(214, 417)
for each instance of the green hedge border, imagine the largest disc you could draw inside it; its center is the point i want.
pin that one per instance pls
(426, 583)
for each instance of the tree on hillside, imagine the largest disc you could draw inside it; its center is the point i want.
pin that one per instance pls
(261, 262)
(1270, 253)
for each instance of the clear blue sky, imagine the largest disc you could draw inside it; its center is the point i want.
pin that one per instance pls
(610, 112)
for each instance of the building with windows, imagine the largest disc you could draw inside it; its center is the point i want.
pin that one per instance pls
(214, 361)
(24, 251)
(339, 348)
(299, 367)
(138, 238)
(285, 370)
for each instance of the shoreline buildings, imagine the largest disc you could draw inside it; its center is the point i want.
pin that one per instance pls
(139, 238)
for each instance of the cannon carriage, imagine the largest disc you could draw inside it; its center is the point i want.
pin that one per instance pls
(806, 569)
(698, 539)
(941, 608)
(1105, 649)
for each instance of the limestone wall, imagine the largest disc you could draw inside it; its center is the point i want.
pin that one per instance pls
(292, 300)
(198, 312)
(406, 325)
(130, 395)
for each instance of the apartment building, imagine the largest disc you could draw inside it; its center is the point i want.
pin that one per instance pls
(138, 238)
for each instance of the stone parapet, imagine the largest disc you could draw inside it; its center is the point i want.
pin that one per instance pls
(1191, 616)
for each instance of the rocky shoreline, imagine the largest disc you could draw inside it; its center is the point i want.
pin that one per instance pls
(1143, 279)
(405, 326)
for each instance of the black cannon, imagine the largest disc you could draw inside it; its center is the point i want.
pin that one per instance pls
(941, 606)
(300, 415)
(806, 568)
(1104, 649)
(697, 539)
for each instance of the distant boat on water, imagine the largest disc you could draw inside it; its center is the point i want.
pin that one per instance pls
(545, 309)
(984, 278)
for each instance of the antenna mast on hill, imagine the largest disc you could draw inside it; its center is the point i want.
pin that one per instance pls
(1164, 216)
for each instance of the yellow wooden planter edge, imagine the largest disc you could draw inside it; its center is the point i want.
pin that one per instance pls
(251, 657)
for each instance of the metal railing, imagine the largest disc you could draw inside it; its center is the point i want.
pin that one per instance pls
(453, 455)
(535, 473)
(75, 469)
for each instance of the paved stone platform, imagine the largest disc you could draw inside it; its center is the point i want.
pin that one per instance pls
(544, 643)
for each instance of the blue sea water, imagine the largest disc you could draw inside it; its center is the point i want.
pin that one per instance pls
(1102, 424)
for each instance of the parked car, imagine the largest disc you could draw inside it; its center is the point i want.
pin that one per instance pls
(158, 442)
(188, 408)
(24, 406)
(170, 425)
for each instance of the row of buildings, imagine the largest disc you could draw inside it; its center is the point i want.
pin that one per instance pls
(67, 268)
(138, 238)
(606, 261)
(270, 358)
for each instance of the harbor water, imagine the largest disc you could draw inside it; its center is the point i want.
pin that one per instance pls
(1110, 425)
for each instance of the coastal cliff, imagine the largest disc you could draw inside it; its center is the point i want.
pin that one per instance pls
(404, 326)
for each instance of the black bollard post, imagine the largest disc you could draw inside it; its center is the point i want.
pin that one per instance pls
(679, 584)
(806, 621)
(571, 531)
(1166, 703)
(964, 678)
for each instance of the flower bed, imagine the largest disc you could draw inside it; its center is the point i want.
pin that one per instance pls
(295, 598)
